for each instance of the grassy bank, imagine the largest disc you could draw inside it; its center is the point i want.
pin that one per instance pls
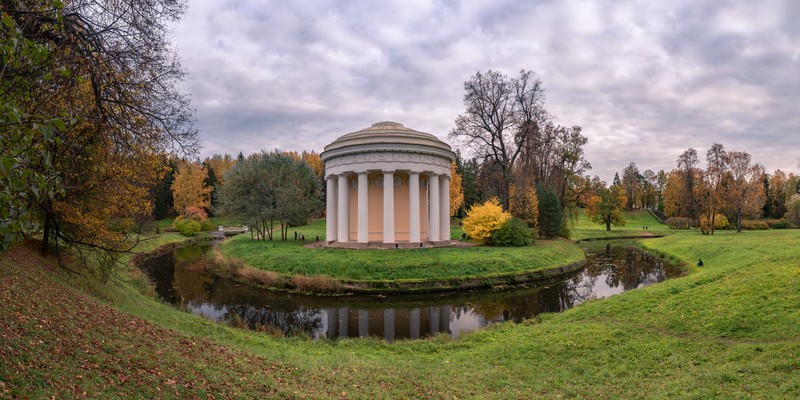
(728, 330)
(379, 267)
(635, 222)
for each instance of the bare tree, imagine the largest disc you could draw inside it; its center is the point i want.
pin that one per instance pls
(501, 114)
(716, 167)
(687, 164)
(648, 183)
(630, 183)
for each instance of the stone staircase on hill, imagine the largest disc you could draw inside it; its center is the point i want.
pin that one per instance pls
(657, 214)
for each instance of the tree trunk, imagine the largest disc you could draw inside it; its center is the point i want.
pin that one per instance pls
(713, 217)
(739, 219)
(46, 237)
(608, 226)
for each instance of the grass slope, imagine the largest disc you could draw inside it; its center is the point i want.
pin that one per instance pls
(584, 228)
(290, 257)
(728, 330)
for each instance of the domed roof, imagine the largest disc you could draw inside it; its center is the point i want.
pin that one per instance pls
(387, 132)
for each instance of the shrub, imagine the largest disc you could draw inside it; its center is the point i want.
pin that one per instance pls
(793, 210)
(679, 223)
(779, 225)
(187, 227)
(483, 220)
(207, 226)
(566, 232)
(513, 233)
(754, 225)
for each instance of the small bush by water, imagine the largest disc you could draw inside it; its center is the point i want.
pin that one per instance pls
(513, 233)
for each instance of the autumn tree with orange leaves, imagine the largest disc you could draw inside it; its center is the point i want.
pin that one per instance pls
(456, 191)
(188, 188)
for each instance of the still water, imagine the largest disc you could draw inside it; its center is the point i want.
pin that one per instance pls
(610, 269)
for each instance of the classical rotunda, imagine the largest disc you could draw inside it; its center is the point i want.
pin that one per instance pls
(387, 184)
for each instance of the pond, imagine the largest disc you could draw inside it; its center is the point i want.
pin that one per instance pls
(610, 269)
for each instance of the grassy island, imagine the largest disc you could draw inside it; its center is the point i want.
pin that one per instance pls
(404, 269)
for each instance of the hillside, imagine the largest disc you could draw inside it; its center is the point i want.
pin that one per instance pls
(730, 329)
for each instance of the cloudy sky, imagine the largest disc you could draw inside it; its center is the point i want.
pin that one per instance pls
(644, 79)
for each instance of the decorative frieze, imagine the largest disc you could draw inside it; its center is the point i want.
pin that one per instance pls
(393, 157)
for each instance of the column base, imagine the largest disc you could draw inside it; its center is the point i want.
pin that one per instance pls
(392, 245)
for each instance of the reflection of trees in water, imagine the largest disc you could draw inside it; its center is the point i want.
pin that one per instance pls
(159, 270)
(625, 267)
(302, 320)
(578, 289)
(190, 283)
(179, 281)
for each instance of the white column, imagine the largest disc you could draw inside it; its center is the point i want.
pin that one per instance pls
(330, 209)
(363, 208)
(343, 215)
(444, 208)
(388, 206)
(413, 206)
(434, 208)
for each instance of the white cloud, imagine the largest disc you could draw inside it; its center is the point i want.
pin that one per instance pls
(645, 80)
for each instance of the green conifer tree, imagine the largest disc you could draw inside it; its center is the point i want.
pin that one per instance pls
(550, 213)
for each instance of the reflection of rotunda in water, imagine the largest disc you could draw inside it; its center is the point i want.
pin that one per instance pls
(389, 323)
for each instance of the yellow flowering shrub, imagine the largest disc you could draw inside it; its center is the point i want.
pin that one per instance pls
(484, 219)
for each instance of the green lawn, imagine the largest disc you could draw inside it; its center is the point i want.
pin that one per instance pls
(584, 228)
(292, 258)
(730, 329)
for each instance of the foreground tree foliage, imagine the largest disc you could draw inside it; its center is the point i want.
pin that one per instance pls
(89, 102)
(266, 188)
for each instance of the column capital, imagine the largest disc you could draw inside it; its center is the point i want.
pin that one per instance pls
(388, 171)
(362, 172)
(414, 171)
